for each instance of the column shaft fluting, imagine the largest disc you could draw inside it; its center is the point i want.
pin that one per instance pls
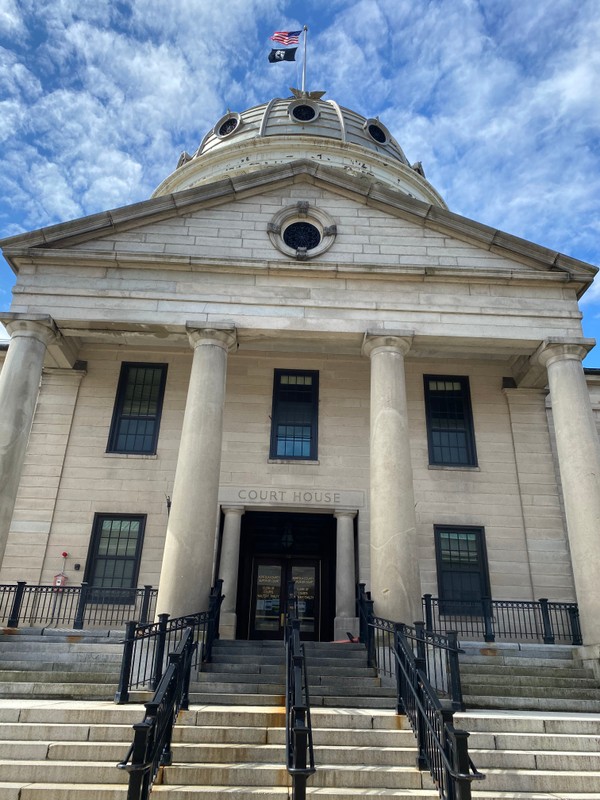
(579, 464)
(19, 387)
(395, 583)
(187, 566)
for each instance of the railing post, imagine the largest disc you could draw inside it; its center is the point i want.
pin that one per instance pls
(145, 604)
(370, 642)
(488, 619)
(428, 609)
(458, 754)
(575, 626)
(188, 657)
(159, 652)
(139, 779)
(122, 693)
(80, 613)
(13, 620)
(548, 633)
(454, 665)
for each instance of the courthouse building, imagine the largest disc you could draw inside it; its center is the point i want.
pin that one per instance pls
(294, 361)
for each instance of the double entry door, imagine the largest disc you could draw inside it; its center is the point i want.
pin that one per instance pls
(270, 581)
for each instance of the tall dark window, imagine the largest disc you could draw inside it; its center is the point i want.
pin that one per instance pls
(114, 556)
(138, 406)
(450, 433)
(295, 414)
(462, 569)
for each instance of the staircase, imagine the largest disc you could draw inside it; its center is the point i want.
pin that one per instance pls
(230, 744)
(529, 677)
(253, 673)
(51, 663)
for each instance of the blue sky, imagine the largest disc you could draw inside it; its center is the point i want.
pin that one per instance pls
(498, 98)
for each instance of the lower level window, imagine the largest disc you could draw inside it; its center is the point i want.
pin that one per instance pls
(113, 560)
(463, 579)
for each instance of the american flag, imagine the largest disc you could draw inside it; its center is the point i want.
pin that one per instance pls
(286, 37)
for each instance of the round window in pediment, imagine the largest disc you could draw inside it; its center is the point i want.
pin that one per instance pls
(302, 235)
(302, 231)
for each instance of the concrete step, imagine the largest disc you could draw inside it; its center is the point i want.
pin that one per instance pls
(542, 704)
(502, 690)
(332, 701)
(499, 679)
(314, 679)
(59, 676)
(467, 669)
(83, 691)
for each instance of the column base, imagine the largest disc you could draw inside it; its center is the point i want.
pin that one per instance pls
(227, 625)
(344, 625)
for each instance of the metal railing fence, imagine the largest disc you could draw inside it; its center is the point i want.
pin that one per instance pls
(145, 647)
(407, 655)
(151, 747)
(439, 651)
(517, 620)
(74, 607)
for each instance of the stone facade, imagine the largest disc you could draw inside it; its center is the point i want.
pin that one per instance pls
(197, 279)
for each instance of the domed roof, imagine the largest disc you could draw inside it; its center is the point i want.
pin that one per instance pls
(302, 126)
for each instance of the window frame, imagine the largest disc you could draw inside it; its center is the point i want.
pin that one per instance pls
(276, 408)
(118, 415)
(460, 606)
(467, 415)
(113, 594)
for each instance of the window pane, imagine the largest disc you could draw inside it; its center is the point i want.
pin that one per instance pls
(294, 417)
(449, 421)
(138, 407)
(116, 546)
(462, 570)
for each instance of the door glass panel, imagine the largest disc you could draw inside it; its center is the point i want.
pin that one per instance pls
(305, 581)
(268, 594)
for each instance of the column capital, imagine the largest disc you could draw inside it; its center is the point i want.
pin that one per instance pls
(345, 512)
(557, 349)
(225, 336)
(233, 510)
(40, 327)
(387, 342)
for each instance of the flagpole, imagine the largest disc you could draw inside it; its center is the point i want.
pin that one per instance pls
(305, 29)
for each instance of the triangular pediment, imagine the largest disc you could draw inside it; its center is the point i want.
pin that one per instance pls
(377, 228)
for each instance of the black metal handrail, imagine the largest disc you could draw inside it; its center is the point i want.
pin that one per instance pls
(151, 747)
(443, 749)
(517, 620)
(145, 646)
(74, 607)
(408, 654)
(299, 738)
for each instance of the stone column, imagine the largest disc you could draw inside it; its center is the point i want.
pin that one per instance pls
(395, 583)
(579, 464)
(187, 566)
(345, 575)
(19, 387)
(230, 559)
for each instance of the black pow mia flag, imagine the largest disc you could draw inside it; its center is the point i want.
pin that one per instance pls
(282, 55)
